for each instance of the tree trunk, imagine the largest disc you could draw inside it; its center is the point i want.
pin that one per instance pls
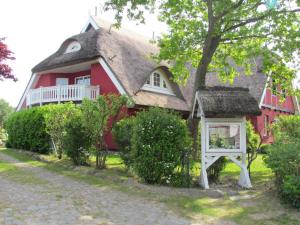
(210, 46)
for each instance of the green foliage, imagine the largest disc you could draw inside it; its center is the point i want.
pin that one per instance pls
(214, 171)
(291, 190)
(254, 142)
(284, 158)
(122, 133)
(206, 33)
(99, 116)
(5, 111)
(158, 140)
(56, 118)
(75, 141)
(286, 129)
(27, 130)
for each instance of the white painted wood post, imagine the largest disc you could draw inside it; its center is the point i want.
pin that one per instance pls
(244, 180)
(203, 176)
(41, 95)
(58, 93)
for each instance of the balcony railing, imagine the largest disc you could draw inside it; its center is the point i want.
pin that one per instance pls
(61, 94)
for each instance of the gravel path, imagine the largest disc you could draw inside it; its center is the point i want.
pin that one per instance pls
(56, 199)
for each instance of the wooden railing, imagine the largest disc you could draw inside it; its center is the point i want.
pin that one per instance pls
(61, 94)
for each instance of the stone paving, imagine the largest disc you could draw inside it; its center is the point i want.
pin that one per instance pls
(58, 200)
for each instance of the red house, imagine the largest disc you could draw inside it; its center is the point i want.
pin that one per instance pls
(102, 60)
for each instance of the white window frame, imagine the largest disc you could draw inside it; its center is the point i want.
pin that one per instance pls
(159, 89)
(61, 79)
(210, 150)
(266, 122)
(74, 46)
(82, 77)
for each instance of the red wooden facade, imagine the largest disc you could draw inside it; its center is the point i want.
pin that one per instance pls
(271, 106)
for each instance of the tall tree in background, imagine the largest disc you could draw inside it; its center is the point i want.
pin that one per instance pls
(5, 54)
(206, 33)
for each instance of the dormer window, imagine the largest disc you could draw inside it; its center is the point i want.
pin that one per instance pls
(74, 46)
(158, 82)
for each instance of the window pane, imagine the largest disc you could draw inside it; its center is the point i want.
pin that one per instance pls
(156, 79)
(164, 84)
(83, 80)
(148, 81)
(224, 136)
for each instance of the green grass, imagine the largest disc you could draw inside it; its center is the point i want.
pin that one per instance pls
(15, 174)
(262, 207)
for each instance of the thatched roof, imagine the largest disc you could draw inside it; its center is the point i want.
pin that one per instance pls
(129, 56)
(226, 102)
(88, 51)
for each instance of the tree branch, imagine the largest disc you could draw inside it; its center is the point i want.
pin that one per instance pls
(225, 12)
(243, 37)
(255, 19)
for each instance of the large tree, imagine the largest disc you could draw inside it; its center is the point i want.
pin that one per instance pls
(206, 33)
(5, 69)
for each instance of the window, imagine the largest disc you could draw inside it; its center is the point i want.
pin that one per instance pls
(156, 79)
(266, 125)
(158, 82)
(62, 81)
(224, 136)
(84, 80)
(148, 81)
(74, 46)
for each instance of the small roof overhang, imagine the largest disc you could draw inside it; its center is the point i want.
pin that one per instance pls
(224, 102)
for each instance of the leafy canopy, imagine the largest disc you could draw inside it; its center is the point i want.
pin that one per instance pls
(5, 54)
(206, 33)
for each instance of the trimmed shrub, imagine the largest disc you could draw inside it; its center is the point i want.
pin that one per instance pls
(27, 130)
(122, 133)
(158, 140)
(75, 141)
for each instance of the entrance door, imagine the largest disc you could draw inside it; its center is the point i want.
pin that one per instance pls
(62, 81)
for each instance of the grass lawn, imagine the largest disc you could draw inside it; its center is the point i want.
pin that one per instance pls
(224, 202)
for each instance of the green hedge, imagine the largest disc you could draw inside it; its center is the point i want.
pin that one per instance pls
(26, 130)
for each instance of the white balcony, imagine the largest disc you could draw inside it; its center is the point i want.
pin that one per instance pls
(62, 93)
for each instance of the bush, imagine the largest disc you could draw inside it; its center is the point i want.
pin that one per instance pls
(214, 171)
(75, 141)
(56, 118)
(283, 157)
(158, 139)
(27, 130)
(122, 133)
(291, 190)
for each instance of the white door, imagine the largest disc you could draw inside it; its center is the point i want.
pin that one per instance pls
(62, 81)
